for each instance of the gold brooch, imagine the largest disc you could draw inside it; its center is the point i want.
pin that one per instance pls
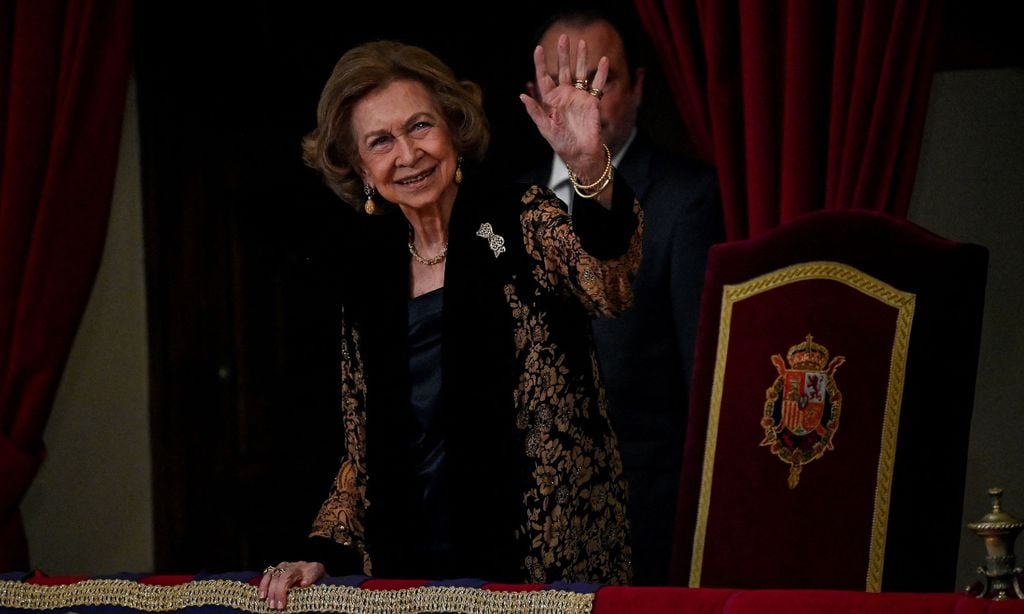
(495, 241)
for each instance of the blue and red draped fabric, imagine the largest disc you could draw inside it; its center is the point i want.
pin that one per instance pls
(22, 593)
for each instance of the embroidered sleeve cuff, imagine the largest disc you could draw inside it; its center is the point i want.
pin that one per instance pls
(605, 233)
(338, 560)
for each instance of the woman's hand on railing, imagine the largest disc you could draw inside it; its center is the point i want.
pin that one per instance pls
(277, 579)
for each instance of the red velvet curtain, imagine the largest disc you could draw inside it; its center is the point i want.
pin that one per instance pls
(64, 67)
(800, 104)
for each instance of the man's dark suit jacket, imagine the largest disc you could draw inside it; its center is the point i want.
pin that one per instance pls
(646, 353)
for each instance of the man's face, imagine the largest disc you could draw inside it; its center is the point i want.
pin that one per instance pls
(622, 96)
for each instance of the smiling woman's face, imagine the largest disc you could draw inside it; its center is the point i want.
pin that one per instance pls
(405, 148)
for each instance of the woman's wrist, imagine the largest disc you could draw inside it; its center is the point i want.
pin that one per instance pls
(590, 189)
(590, 169)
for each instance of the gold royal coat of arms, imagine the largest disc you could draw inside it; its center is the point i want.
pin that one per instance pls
(802, 407)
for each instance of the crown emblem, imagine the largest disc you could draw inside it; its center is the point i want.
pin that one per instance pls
(807, 355)
(802, 406)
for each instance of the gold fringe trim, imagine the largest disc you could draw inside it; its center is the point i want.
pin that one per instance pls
(904, 303)
(243, 596)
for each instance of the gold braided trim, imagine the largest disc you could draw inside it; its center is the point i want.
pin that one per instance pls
(242, 596)
(904, 303)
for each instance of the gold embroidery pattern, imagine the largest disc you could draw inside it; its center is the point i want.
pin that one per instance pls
(904, 302)
(342, 513)
(602, 286)
(242, 596)
(576, 527)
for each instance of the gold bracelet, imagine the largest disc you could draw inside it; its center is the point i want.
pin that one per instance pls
(575, 180)
(604, 184)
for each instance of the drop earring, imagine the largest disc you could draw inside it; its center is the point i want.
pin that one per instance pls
(369, 206)
(458, 170)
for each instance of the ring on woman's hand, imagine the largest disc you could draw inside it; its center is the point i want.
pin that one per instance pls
(596, 93)
(271, 569)
(582, 84)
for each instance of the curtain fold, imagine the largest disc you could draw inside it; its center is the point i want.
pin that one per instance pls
(800, 104)
(64, 67)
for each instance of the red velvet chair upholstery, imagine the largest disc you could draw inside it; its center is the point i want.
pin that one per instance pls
(831, 407)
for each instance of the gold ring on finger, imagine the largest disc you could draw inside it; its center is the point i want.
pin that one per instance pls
(582, 84)
(271, 569)
(596, 93)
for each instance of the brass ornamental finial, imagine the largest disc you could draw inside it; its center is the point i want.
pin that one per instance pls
(998, 529)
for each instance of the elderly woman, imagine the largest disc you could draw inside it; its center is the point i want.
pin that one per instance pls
(477, 443)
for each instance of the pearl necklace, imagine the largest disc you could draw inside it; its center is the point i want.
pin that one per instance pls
(427, 261)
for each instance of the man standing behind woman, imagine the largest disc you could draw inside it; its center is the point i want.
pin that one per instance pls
(646, 354)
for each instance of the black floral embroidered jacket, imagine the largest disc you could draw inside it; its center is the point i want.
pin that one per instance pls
(538, 492)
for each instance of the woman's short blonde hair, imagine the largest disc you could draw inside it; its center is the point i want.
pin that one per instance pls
(331, 148)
